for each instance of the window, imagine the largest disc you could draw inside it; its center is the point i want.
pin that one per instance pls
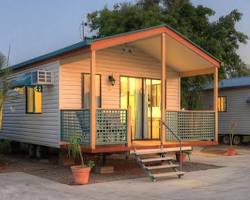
(86, 91)
(1, 117)
(34, 99)
(156, 93)
(222, 104)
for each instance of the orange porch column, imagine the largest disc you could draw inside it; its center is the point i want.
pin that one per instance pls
(215, 101)
(163, 84)
(92, 100)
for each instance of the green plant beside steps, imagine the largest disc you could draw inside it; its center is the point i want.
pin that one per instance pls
(74, 151)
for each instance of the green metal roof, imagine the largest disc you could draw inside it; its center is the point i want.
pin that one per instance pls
(78, 45)
(88, 42)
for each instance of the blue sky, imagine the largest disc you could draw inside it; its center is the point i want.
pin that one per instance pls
(33, 28)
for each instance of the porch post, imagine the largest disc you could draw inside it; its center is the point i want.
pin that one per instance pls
(163, 84)
(92, 100)
(215, 101)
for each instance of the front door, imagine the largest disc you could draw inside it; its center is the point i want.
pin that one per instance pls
(144, 98)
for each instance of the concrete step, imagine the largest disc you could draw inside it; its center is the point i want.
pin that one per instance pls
(159, 150)
(167, 174)
(156, 159)
(167, 166)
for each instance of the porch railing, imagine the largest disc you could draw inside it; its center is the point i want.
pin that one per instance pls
(75, 122)
(111, 126)
(191, 125)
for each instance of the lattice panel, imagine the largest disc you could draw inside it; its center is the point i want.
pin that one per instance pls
(191, 125)
(111, 126)
(75, 122)
(172, 123)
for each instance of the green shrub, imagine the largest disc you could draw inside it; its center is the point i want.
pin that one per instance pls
(75, 151)
(5, 146)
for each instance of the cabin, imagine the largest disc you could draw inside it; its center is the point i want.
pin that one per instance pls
(233, 106)
(115, 93)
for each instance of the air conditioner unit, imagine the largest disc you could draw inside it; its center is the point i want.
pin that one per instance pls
(41, 77)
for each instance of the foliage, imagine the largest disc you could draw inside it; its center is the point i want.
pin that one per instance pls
(218, 37)
(75, 151)
(232, 127)
(192, 88)
(5, 146)
(5, 72)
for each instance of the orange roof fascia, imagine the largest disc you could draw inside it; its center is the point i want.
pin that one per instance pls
(130, 37)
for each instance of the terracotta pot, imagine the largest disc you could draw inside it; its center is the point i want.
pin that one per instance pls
(80, 174)
(182, 157)
(231, 151)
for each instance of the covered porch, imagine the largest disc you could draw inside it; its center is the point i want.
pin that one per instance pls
(115, 128)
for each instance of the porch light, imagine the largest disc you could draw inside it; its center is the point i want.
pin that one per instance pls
(112, 80)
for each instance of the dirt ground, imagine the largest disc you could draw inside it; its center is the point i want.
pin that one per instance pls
(221, 150)
(50, 169)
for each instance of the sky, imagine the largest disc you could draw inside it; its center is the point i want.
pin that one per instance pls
(33, 28)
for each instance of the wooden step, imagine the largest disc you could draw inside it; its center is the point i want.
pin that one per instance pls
(161, 166)
(167, 174)
(156, 159)
(163, 150)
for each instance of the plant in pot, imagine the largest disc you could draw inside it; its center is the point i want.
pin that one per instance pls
(231, 151)
(80, 172)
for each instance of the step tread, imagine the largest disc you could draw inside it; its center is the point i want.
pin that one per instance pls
(164, 150)
(161, 166)
(156, 159)
(167, 174)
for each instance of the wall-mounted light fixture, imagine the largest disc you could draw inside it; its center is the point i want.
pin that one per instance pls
(112, 80)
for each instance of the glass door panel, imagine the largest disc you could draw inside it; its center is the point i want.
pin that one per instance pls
(144, 98)
(124, 93)
(147, 111)
(156, 108)
(135, 103)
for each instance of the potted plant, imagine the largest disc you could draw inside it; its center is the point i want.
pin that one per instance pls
(231, 150)
(80, 172)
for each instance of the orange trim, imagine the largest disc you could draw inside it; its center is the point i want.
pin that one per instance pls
(197, 72)
(124, 148)
(92, 100)
(163, 84)
(215, 101)
(117, 40)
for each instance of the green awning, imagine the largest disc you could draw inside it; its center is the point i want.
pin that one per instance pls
(22, 81)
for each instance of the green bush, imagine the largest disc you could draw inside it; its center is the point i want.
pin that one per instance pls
(5, 146)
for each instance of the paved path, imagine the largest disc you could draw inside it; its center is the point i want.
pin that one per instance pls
(231, 183)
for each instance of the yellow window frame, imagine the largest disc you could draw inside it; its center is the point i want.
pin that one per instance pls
(222, 104)
(34, 99)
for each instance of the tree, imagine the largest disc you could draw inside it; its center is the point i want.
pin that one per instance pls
(219, 37)
(5, 72)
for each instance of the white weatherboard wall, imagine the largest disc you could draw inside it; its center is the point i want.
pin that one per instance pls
(237, 110)
(41, 129)
(113, 61)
